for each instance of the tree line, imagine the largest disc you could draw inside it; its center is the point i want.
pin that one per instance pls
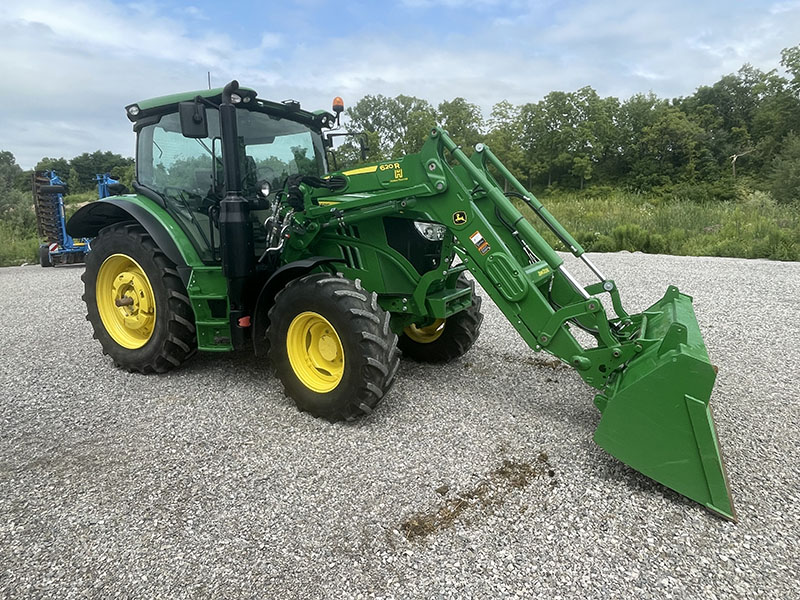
(78, 172)
(742, 129)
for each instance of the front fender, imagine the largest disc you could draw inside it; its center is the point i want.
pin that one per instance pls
(166, 233)
(277, 281)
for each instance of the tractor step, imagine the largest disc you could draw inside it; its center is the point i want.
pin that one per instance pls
(213, 335)
(209, 294)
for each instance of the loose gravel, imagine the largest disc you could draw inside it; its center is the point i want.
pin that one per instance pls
(478, 479)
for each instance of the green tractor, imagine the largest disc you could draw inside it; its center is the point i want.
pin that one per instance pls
(237, 234)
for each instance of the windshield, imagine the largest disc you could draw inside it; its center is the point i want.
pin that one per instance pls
(275, 148)
(270, 149)
(188, 173)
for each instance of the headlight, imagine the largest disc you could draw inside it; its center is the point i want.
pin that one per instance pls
(264, 188)
(133, 110)
(433, 232)
(235, 98)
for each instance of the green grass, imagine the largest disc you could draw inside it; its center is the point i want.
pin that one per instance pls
(753, 226)
(80, 198)
(16, 249)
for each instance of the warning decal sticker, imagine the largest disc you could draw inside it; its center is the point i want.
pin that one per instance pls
(481, 244)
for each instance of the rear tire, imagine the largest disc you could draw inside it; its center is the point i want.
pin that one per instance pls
(155, 331)
(331, 346)
(44, 256)
(446, 339)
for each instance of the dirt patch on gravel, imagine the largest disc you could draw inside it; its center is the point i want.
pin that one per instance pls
(489, 494)
(545, 361)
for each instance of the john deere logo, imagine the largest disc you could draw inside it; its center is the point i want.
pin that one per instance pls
(459, 218)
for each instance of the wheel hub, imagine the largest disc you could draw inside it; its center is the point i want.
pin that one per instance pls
(132, 299)
(328, 347)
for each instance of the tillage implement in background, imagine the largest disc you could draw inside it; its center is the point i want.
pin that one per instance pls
(237, 233)
(57, 246)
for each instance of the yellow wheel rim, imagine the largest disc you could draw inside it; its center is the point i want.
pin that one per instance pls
(315, 352)
(427, 334)
(125, 301)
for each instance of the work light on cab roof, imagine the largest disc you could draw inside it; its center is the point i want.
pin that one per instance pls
(338, 108)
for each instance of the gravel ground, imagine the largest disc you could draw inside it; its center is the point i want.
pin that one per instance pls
(208, 483)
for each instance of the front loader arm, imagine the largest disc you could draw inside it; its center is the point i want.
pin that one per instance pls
(523, 275)
(651, 369)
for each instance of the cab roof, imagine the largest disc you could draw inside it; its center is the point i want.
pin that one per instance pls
(287, 108)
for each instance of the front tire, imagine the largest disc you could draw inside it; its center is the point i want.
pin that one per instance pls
(445, 339)
(136, 302)
(331, 346)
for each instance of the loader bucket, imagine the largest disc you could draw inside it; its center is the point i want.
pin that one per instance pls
(656, 416)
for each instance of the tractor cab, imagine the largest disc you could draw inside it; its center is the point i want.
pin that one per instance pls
(180, 157)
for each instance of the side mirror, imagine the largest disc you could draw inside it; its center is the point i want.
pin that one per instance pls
(363, 143)
(193, 119)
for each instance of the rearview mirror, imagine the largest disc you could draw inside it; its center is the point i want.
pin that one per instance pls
(193, 119)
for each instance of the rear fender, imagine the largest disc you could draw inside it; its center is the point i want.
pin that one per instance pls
(166, 233)
(277, 281)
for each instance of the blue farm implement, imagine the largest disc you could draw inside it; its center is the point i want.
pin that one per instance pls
(104, 183)
(57, 246)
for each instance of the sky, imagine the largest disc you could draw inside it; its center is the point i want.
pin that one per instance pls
(68, 68)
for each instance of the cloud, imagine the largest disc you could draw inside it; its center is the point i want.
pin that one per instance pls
(783, 7)
(459, 4)
(618, 49)
(66, 79)
(629, 46)
(196, 13)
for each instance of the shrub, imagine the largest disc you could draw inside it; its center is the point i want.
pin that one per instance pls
(80, 198)
(17, 249)
(785, 177)
(16, 210)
